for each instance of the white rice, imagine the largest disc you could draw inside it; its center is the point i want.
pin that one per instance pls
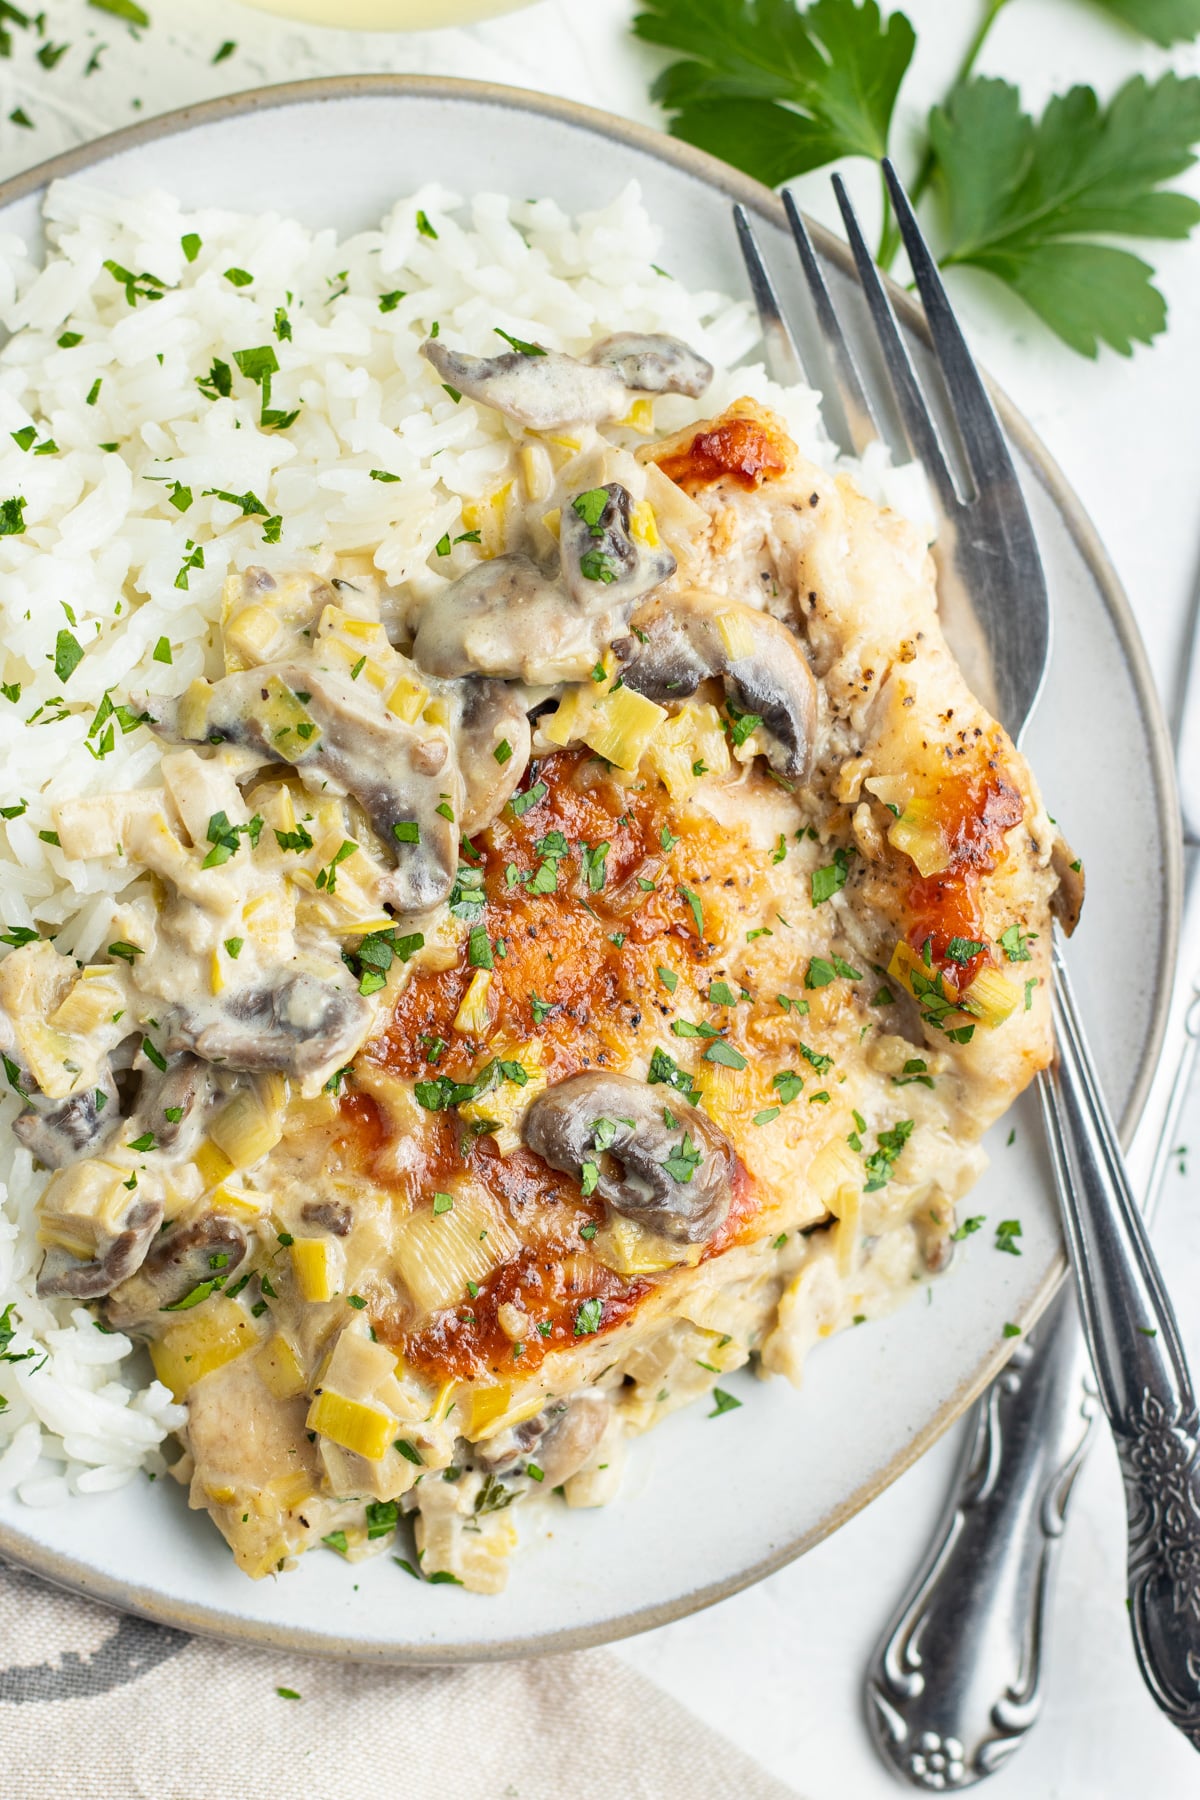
(102, 550)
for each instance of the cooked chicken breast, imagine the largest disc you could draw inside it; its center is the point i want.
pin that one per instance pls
(542, 1053)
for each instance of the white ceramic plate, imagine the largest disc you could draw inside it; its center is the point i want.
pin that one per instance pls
(710, 1504)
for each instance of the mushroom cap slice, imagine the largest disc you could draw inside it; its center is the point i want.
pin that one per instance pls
(207, 1249)
(493, 746)
(503, 618)
(294, 1026)
(692, 637)
(671, 1179)
(653, 363)
(541, 392)
(64, 1276)
(399, 774)
(602, 563)
(62, 1131)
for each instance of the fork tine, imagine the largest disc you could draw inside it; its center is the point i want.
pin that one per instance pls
(784, 363)
(862, 427)
(978, 427)
(923, 438)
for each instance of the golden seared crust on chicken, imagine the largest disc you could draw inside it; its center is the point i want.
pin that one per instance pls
(624, 1029)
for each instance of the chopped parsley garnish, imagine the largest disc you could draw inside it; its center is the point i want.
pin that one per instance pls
(526, 349)
(831, 879)
(195, 1296)
(725, 1054)
(68, 654)
(162, 651)
(533, 796)
(224, 838)
(541, 1008)
(147, 1141)
(1015, 942)
(684, 1160)
(409, 1452)
(915, 1069)
(721, 994)
(725, 1402)
(821, 971)
(382, 1517)
(588, 1318)
(389, 302)
(961, 950)
(153, 1054)
(502, 752)
(407, 831)
(376, 953)
(590, 506)
(1007, 1231)
(191, 244)
(880, 1163)
(742, 725)
(668, 977)
(593, 860)
(787, 1085)
(695, 907)
(238, 278)
(423, 225)
(193, 560)
(442, 1092)
(666, 1070)
(595, 565)
(766, 1115)
(298, 840)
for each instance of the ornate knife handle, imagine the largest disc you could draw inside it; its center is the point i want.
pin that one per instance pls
(1141, 1371)
(956, 1681)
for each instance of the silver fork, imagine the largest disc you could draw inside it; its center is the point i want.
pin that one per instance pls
(995, 607)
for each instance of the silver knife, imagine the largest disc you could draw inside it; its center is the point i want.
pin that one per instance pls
(955, 1683)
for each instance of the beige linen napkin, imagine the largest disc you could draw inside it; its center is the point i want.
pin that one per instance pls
(95, 1705)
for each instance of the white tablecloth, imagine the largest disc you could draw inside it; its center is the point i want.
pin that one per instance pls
(778, 1669)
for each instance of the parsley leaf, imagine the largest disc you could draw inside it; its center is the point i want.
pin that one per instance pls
(1165, 21)
(1027, 199)
(776, 90)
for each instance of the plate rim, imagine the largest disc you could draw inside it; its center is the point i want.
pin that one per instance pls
(67, 1571)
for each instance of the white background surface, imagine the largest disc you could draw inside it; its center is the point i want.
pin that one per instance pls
(779, 1667)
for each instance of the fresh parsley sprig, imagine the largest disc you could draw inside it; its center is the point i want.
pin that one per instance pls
(779, 89)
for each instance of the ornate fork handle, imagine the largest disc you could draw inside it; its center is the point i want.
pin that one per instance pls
(1141, 1371)
(956, 1681)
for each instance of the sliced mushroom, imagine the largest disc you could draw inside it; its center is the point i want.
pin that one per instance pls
(328, 1215)
(62, 1131)
(493, 749)
(504, 618)
(540, 391)
(601, 562)
(670, 1178)
(653, 363)
(182, 1260)
(64, 1276)
(559, 1439)
(1066, 902)
(172, 1105)
(685, 640)
(400, 775)
(294, 1026)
